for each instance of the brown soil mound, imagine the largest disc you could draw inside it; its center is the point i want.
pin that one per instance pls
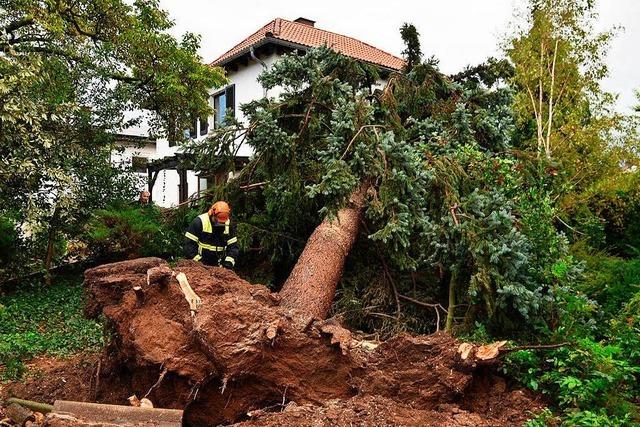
(244, 358)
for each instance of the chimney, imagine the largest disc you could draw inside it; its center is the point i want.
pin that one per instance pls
(305, 21)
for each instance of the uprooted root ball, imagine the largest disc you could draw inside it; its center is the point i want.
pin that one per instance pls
(243, 358)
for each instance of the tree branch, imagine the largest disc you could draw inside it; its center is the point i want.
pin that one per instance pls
(355, 136)
(553, 79)
(533, 347)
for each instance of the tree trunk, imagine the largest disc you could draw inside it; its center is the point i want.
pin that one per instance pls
(452, 301)
(312, 283)
(49, 257)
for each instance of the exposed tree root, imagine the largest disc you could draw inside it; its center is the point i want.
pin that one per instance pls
(245, 358)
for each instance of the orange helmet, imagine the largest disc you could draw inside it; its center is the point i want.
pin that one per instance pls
(220, 210)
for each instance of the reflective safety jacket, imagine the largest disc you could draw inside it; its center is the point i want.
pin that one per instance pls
(211, 243)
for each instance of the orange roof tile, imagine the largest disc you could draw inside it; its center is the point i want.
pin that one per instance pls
(310, 36)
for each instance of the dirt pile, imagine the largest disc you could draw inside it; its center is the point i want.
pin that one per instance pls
(244, 358)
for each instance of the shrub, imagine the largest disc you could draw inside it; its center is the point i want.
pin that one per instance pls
(593, 380)
(126, 232)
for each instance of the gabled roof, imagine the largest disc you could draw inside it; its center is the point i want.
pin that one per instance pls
(304, 35)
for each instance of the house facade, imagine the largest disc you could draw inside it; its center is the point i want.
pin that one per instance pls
(243, 64)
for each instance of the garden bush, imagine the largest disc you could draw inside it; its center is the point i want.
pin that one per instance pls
(128, 231)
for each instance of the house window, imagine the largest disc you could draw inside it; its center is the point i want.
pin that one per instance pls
(139, 164)
(223, 104)
(192, 129)
(202, 185)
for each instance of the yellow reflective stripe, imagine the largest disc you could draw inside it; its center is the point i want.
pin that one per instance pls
(206, 222)
(191, 236)
(232, 240)
(226, 226)
(210, 247)
(231, 260)
(197, 258)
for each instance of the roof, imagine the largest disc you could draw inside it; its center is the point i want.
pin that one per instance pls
(306, 35)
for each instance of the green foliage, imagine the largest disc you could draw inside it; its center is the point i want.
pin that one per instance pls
(412, 52)
(127, 232)
(594, 379)
(68, 72)
(44, 320)
(609, 214)
(612, 282)
(8, 241)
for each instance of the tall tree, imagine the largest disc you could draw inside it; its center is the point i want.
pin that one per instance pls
(412, 52)
(559, 61)
(416, 177)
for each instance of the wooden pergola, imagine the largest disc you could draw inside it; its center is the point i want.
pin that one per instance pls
(182, 163)
(179, 162)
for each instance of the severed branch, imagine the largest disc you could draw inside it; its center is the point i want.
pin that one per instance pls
(534, 347)
(471, 356)
(192, 298)
(249, 187)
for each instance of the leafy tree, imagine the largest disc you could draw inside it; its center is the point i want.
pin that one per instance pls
(68, 73)
(558, 64)
(566, 119)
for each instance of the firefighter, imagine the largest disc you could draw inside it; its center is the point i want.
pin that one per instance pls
(211, 238)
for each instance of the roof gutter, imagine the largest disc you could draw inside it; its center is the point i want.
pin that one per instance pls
(252, 53)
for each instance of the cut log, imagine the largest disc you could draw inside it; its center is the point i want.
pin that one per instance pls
(311, 286)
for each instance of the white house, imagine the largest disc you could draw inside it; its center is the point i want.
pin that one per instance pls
(243, 63)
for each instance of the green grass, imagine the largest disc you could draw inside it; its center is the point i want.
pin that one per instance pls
(44, 320)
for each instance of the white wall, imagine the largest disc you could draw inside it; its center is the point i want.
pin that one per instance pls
(165, 190)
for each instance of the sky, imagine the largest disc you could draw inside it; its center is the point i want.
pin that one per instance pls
(457, 32)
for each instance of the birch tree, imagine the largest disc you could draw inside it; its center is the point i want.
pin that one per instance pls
(559, 61)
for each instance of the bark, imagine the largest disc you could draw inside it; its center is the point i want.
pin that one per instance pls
(312, 283)
(452, 301)
(49, 258)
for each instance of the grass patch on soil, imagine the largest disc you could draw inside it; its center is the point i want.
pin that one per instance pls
(39, 320)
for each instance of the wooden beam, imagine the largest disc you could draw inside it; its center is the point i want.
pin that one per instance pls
(183, 186)
(152, 181)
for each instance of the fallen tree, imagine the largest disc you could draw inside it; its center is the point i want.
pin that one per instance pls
(418, 176)
(243, 356)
